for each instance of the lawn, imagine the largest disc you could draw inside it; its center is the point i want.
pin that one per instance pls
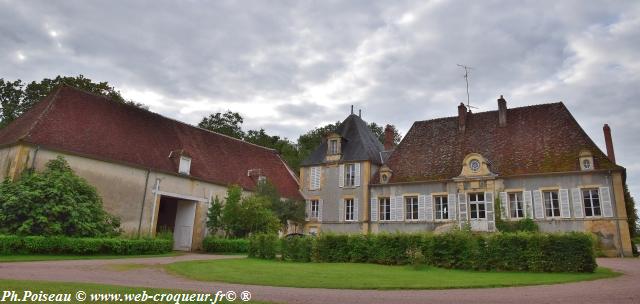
(46, 257)
(364, 276)
(72, 288)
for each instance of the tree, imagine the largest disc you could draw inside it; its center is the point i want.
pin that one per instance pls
(17, 97)
(214, 216)
(632, 212)
(228, 123)
(287, 150)
(256, 217)
(54, 202)
(284, 209)
(378, 131)
(231, 220)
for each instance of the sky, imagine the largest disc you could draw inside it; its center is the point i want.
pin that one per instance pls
(290, 66)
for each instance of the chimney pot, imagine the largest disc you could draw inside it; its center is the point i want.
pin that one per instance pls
(609, 143)
(388, 138)
(351, 109)
(462, 117)
(502, 111)
(360, 113)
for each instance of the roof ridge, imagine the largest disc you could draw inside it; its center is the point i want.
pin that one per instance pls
(54, 97)
(492, 111)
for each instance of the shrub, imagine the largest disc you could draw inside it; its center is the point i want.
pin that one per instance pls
(83, 246)
(215, 244)
(297, 249)
(263, 246)
(331, 248)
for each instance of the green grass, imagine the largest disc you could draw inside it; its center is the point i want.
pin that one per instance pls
(364, 276)
(72, 288)
(46, 257)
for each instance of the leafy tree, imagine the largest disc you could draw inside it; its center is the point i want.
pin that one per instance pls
(17, 97)
(378, 131)
(228, 123)
(287, 150)
(231, 220)
(54, 202)
(284, 209)
(214, 216)
(632, 212)
(256, 217)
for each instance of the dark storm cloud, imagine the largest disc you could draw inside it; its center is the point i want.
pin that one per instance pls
(288, 66)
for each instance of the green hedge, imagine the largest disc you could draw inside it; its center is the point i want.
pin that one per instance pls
(522, 251)
(219, 245)
(82, 246)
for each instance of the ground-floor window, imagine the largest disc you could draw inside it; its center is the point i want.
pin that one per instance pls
(477, 206)
(551, 204)
(385, 209)
(411, 207)
(591, 202)
(516, 205)
(315, 208)
(442, 207)
(349, 209)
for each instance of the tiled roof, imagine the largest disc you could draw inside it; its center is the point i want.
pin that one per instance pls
(74, 121)
(359, 143)
(537, 139)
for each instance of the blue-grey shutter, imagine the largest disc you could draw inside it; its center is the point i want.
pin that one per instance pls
(565, 206)
(392, 208)
(374, 209)
(528, 204)
(355, 209)
(504, 205)
(462, 208)
(428, 208)
(399, 208)
(576, 196)
(538, 206)
(357, 178)
(320, 203)
(341, 176)
(421, 207)
(340, 210)
(605, 202)
(452, 206)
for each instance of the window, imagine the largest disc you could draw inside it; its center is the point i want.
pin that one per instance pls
(516, 205)
(262, 179)
(411, 207)
(349, 209)
(314, 178)
(333, 146)
(591, 202)
(586, 164)
(477, 206)
(442, 208)
(185, 165)
(315, 209)
(350, 175)
(385, 209)
(551, 204)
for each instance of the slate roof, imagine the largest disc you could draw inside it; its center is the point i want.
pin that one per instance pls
(538, 139)
(74, 121)
(358, 144)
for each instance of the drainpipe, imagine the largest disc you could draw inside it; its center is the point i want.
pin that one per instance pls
(144, 198)
(155, 202)
(615, 209)
(33, 161)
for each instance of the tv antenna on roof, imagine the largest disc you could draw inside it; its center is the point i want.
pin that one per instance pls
(466, 79)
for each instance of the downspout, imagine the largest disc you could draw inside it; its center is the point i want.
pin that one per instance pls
(615, 209)
(144, 198)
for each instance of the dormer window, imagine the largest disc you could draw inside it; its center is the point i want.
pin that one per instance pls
(185, 165)
(586, 160)
(333, 146)
(262, 179)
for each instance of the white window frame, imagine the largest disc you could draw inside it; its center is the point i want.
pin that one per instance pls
(350, 175)
(349, 209)
(551, 203)
(441, 206)
(411, 208)
(589, 202)
(185, 165)
(315, 208)
(384, 209)
(333, 147)
(516, 208)
(478, 204)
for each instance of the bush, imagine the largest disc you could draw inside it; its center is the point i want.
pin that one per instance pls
(82, 246)
(215, 244)
(263, 246)
(297, 249)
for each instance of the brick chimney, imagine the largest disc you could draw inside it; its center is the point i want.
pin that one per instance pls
(462, 117)
(502, 111)
(388, 138)
(609, 143)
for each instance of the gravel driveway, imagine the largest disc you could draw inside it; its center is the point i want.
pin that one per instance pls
(623, 289)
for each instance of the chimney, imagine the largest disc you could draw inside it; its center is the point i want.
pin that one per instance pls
(360, 113)
(609, 143)
(388, 138)
(462, 117)
(351, 109)
(502, 111)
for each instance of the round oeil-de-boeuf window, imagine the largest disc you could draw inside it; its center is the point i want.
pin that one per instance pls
(474, 164)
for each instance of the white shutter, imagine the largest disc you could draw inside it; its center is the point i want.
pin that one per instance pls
(462, 207)
(452, 206)
(392, 208)
(576, 196)
(605, 202)
(399, 208)
(311, 178)
(528, 204)
(341, 210)
(538, 207)
(341, 176)
(307, 213)
(504, 205)
(489, 201)
(565, 206)
(318, 177)
(374, 209)
(428, 208)
(320, 210)
(357, 179)
(421, 207)
(314, 178)
(355, 210)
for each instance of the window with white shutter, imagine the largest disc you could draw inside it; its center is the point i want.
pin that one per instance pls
(504, 203)
(551, 204)
(421, 207)
(356, 182)
(428, 208)
(576, 197)
(374, 209)
(320, 210)
(340, 210)
(399, 208)
(341, 176)
(349, 209)
(315, 209)
(516, 204)
(565, 206)
(591, 200)
(315, 174)
(537, 204)
(356, 209)
(462, 207)
(605, 197)
(411, 208)
(453, 206)
(385, 208)
(392, 208)
(528, 204)
(441, 205)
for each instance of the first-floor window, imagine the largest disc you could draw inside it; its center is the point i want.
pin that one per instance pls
(442, 208)
(411, 207)
(350, 175)
(349, 209)
(591, 202)
(516, 205)
(477, 206)
(315, 208)
(385, 209)
(551, 204)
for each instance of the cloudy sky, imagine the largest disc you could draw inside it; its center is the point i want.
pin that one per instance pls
(288, 66)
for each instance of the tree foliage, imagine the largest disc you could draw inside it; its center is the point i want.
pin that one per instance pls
(228, 123)
(286, 210)
(54, 202)
(17, 97)
(632, 212)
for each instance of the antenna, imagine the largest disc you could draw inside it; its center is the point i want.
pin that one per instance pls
(466, 79)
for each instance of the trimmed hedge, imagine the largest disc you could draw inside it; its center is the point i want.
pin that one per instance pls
(522, 251)
(11, 244)
(219, 245)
